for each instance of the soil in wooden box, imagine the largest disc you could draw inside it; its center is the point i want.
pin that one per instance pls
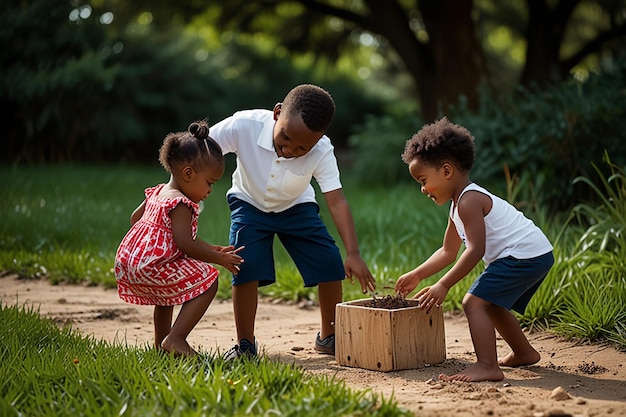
(370, 336)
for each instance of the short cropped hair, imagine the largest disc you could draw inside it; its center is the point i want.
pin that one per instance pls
(314, 104)
(441, 142)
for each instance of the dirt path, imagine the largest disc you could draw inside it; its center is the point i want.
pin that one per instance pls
(592, 376)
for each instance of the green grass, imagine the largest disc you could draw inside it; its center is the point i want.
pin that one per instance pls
(47, 371)
(65, 222)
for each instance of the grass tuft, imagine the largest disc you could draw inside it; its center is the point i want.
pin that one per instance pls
(52, 371)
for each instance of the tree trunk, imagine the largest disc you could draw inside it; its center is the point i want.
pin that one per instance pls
(449, 64)
(452, 63)
(544, 36)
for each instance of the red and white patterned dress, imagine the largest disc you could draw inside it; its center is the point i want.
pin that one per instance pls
(149, 268)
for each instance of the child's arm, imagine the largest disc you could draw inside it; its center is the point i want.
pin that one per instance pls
(342, 217)
(440, 259)
(197, 248)
(137, 213)
(472, 210)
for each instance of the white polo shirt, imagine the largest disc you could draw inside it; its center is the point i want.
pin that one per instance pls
(268, 182)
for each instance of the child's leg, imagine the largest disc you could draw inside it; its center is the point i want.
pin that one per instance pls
(162, 323)
(329, 295)
(245, 307)
(484, 339)
(190, 314)
(509, 328)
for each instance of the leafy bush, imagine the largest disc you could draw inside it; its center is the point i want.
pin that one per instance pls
(553, 135)
(582, 297)
(378, 145)
(77, 92)
(546, 138)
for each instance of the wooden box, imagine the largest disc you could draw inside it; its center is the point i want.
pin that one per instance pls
(385, 340)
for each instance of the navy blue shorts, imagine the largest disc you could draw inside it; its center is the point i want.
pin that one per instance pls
(301, 231)
(511, 282)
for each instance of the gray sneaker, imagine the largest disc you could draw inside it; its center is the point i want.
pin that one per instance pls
(244, 348)
(326, 346)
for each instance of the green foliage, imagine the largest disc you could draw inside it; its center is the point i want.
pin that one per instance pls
(542, 138)
(50, 371)
(591, 308)
(378, 145)
(50, 68)
(599, 258)
(79, 91)
(582, 297)
(551, 135)
(608, 220)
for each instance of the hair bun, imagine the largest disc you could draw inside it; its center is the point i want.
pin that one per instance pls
(199, 130)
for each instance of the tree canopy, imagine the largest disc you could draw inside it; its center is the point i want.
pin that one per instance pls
(446, 47)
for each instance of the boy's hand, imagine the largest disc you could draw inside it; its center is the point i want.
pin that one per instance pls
(356, 267)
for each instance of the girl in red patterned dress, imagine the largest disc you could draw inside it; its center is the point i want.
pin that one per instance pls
(161, 261)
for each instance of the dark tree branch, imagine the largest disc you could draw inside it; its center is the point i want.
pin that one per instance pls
(592, 46)
(325, 8)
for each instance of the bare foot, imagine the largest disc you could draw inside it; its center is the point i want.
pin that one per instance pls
(514, 360)
(475, 373)
(177, 348)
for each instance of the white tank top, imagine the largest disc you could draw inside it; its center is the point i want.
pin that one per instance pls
(508, 231)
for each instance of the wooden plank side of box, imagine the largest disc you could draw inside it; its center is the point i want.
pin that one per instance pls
(419, 338)
(388, 339)
(363, 338)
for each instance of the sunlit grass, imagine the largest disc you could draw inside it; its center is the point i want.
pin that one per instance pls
(64, 224)
(47, 371)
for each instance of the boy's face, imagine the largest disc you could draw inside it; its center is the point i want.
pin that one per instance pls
(292, 138)
(434, 182)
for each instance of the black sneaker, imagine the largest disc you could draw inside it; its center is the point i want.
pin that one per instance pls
(244, 348)
(326, 346)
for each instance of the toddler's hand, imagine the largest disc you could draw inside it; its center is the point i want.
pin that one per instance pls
(432, 296)
(406, 283)
(229, 248)
(231, 259)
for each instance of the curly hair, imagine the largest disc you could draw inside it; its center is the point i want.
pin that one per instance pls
(314, 104)
(194, 146)
(440, 142)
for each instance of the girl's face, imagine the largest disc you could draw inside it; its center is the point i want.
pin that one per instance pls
(292, 138)
(435, 182)
(199, 182)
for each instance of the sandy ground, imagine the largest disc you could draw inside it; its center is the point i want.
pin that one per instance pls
(590, 378)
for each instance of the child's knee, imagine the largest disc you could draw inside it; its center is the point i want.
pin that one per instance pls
(473, 303)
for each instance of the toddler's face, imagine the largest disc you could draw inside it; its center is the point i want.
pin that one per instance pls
(433, 181)
(292, 138)
(201, 184)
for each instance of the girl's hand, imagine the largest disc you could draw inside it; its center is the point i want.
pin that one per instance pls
(228, 248)
(432, 296)
(230, 259)
(406, 283)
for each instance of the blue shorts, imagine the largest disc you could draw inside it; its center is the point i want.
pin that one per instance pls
(511, 282)
(301, 231)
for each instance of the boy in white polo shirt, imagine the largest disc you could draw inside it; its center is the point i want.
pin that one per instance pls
(278, 152)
